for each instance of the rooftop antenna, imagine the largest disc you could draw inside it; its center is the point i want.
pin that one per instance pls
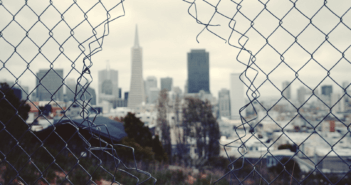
(136, 41)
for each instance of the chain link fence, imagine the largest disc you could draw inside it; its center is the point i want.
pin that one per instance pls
(296, 43)
(46, 35)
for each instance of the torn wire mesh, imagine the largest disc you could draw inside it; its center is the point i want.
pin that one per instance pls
(49, 34)
(295, 43)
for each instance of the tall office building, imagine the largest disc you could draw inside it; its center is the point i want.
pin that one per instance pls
(126, 95)
(301, 94)
(150, 82)
(345, 84)
(327, 90)
(136, 93)
(89, 93)
(92, 95)
(286, 90)
(346, 99)
(236, 96)
(70, 89)
(337, 102)
(154, 93)
(224, 103)
(108, 85)
(177, 92)
(52, 81)
(166, 83)
(198, 71)
(326, 96)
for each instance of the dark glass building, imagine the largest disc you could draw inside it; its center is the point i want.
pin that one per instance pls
(327, 90)
(198, 71)
(52, 81)
(126, 94)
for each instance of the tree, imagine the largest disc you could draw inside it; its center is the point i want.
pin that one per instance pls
(136, 130)
(46, 110)
(162, 122)
(157, 147)
(200, 124)
(13, 113)
(290, 165)
(140, 138)
(13, 127)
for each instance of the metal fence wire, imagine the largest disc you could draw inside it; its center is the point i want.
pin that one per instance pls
(301, 42)
(298, 43)
(29, 33)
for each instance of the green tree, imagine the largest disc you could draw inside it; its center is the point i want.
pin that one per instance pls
(13, 127)
(290, 165)
(136, 130)
(157, 147)
(140, 138)
(13, 114)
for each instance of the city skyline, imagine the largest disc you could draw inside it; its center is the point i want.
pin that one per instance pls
(165, 40)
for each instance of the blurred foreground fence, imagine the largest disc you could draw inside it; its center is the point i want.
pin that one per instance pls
(302, 42)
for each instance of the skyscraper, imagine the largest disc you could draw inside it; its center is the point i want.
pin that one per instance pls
(126, 95)
(198, 71)
(338, 102)
(71, 89)
(166, 83)
(108, 84)
(345, 84)
(154, 93)
(150, 82)
(224, 103)
(52, 81)
(136, 93)
(327, 90)
(236, 96)
(301, 93)
(286, 90)
(177, 92)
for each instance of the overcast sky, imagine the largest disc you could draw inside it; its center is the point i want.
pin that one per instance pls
(167, 33)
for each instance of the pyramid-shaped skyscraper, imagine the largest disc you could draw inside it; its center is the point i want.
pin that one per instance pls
(136, 93)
